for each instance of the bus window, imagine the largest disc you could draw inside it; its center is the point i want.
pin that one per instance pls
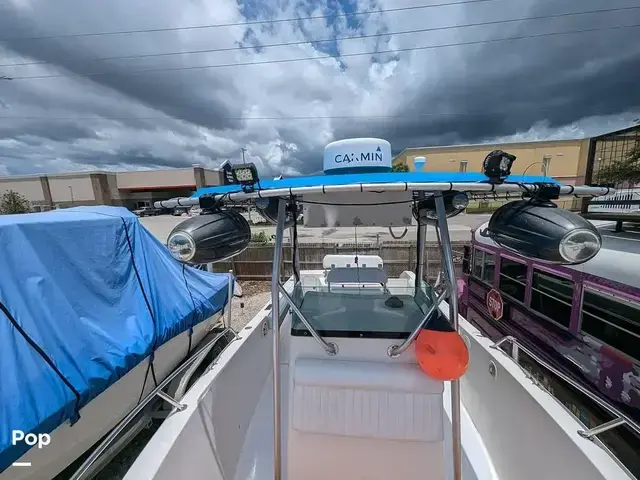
(478, 260)
(465, 259)
(513, 279)
(552, 296)
(489, 267)
(613, 321)
(483, 266)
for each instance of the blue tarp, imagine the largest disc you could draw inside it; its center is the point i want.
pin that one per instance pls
(391, 177)
(95, 293)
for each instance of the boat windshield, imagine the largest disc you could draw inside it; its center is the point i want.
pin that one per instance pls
(363, 311)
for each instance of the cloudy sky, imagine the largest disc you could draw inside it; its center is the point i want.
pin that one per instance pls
(78, 95)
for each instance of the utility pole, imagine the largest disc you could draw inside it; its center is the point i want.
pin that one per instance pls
(243, 150)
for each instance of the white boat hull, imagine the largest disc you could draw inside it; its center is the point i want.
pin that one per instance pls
(352, 420)
(104, 412)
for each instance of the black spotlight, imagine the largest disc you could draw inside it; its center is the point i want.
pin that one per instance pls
(542, 231)
(209, 238)
(497, 165)
(454, 203)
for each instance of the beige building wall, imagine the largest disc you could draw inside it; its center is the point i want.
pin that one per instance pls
(112, 182)
(212, 177)
(566, 159)
(68, 188)
(180, 177)
(29, 186)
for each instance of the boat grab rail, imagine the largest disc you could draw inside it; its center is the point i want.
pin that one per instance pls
(396, 350)
(330, 348)
(620, 417)
(157, 392)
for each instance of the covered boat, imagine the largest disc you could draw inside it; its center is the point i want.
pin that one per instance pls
(86, 295)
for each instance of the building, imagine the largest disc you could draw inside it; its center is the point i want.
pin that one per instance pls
(565, 160)
(132, 189)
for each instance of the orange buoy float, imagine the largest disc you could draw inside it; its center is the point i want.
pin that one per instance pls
(440, 350)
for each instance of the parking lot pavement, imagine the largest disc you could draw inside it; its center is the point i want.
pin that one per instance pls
(459, 230)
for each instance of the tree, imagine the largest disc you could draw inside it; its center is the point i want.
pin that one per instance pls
(13, 202)
(626, 170)
(399, 167)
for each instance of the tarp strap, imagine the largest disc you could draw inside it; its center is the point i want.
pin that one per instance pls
(144, 293)
(146, 376)
(144, 384)
(146, 300)
(46, 358)
(195, 307)
(153, 370)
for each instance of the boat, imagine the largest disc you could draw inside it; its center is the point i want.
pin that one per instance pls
(94, 314)
(582, 318)
(350, 373)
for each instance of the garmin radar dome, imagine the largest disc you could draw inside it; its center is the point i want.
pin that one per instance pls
(357, 155)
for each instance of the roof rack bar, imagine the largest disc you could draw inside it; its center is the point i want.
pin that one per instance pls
(581, 191)
(604, 404)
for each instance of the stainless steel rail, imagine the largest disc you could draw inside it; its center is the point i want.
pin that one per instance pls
(156, 392)
(582, 191)
(395, 350)
(620, 417)
(275, 327)
(449, 268)
(330, 348)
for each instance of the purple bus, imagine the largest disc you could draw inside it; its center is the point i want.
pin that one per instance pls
(584, 320)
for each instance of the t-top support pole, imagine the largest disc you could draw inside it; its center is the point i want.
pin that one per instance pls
(447, 255)
(275, 330)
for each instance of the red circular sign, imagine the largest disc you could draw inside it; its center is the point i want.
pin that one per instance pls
(494, 304)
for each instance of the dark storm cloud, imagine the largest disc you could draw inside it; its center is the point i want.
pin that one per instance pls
(58, 132)
(494, 90)
(178, 94)
(558, 79)
(139, 157)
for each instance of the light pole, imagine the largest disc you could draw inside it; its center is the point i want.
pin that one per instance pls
(71, 192)
(243, 150)
(531, 165)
